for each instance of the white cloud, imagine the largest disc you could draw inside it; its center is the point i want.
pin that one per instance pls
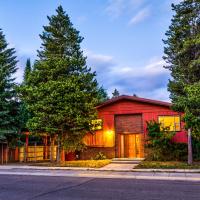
(98, 61)
(98, 57)
(148, 81)
(140, 16)
(116, 8)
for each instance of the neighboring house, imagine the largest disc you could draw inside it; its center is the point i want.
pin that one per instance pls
(120, 131)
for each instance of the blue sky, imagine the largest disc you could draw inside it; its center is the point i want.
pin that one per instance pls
(123, 39)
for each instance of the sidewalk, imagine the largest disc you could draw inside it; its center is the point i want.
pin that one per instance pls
(148, 174)
(110, 167)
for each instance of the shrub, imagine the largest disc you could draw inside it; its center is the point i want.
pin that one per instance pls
(160, 145)
(100, 156)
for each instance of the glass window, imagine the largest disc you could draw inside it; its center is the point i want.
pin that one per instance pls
(172, 123)
(96, 124)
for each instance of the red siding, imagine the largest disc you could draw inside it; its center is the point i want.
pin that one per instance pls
(148, 111)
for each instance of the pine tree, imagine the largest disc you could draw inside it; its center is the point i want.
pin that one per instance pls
(24, 115)
(182, 54)
(102, 95)
(27, 70)
(62, 91)
(8, 103)
(115, 93)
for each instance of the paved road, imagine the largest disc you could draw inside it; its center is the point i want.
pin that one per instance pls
(14, 187)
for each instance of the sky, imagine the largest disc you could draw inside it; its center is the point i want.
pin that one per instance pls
(122, 39)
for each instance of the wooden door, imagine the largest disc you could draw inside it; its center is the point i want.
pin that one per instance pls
(130, 146)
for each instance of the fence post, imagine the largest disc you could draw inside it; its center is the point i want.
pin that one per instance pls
(2, 153)
(7, 152)
(35, 152)
(25, 152)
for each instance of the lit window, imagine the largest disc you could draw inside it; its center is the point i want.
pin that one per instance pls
(171, 123)
(96, 124)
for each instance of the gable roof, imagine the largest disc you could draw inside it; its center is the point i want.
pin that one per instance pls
(137, 99)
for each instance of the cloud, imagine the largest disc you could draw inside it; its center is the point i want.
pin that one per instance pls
(140, 16)
(148, 81)
(116, 8)
(99, 62)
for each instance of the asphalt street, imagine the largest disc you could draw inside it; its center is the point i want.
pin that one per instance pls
(19, 187)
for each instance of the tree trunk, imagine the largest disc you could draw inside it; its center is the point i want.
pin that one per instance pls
(190, 160)
(52, 149)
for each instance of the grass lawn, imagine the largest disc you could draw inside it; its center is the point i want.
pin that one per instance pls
(77, 163)
(167, 165)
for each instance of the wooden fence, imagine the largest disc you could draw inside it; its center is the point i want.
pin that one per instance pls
(36, 153)
(26, 154)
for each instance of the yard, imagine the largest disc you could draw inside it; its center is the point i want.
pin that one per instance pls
(167, 165)
(77, 163)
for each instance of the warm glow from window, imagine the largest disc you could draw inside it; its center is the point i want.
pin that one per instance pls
(172, 123)
(109, 138)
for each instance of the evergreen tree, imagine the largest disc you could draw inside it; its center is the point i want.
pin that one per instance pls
(27, 70)
(102, 95)
(182, 54)
(8, 103)
(115, 93)
(24, 115)
(62, 91)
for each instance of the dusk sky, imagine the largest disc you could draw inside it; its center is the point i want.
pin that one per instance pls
(123, 39)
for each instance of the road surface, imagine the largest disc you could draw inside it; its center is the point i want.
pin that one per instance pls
(20, 187)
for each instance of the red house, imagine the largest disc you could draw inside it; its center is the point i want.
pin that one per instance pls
(121, 126)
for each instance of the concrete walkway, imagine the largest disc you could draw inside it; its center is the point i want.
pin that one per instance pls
(151, 174)
(102, 174)
(118, 167)
(113, 167)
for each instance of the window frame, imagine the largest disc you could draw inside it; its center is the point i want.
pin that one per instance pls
(174, 118)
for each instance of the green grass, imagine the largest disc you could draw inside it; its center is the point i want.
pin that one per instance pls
(77, 163)
(167, 165)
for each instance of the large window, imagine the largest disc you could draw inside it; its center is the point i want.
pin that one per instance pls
(171, 123)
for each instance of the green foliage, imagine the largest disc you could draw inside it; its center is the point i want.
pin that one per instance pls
(102, 95)
(182, 54)
(161, 146)
(8, 101)
(196, 148)
(100, 156)
(62, 92)
(27, 71)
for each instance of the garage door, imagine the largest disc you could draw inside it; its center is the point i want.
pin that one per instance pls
(128, 124)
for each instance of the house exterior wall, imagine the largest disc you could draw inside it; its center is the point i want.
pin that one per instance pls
(106, 138)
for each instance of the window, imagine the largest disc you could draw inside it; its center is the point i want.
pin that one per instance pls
(96, 124)
(172, 123)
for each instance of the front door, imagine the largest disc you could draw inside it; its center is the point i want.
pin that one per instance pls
(129, 146)
(129, 136)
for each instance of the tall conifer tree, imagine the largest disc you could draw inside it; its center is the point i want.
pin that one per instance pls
(182, 54)
(8, 103)
(62, 91)
(27, 70)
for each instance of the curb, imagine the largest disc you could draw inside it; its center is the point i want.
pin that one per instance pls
(100, 169)
(109, 176)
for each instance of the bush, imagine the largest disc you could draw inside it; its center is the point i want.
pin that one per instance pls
(100, 156)
(196, 148)
(160, 145)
